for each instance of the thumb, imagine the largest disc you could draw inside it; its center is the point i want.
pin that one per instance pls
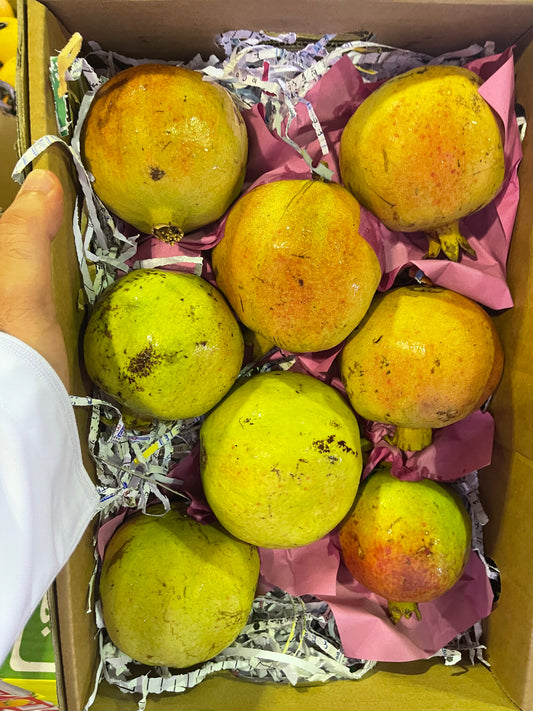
(27, 228)
(34, 217)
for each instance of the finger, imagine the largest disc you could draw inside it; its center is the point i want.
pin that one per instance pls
(38, 207)
(27, 227)
(26, 230)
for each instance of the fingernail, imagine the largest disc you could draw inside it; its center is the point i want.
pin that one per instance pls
(39, 181)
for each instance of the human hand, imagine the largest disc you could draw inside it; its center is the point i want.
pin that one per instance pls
(27, 228)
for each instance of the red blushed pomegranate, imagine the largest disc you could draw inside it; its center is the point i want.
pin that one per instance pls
(408, 541)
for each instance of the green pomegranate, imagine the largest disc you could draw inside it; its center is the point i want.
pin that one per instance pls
(164, 344)
(408, 541)
(175, 592)
(281, 459)
(167, 150)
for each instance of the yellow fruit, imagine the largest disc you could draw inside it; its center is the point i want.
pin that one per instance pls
(408, 541)
(6, 10)
(8, 38)
(281, 460)
(8, 71)
(167, 150)
(293, 265)
(164, 344)
(175, 592)
(422, 151)
(423, 358)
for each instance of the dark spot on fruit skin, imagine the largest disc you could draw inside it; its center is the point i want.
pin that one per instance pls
(342, 444)
(446, 415)
(356, 369)
(156, 173)
(118, 554)
(143, 363)
(321, 445)
(436, 364)
(276, 471)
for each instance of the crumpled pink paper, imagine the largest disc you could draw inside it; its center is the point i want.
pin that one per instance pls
(366, 631)
(456, 450)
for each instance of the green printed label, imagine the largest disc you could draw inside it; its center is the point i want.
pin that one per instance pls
(32, 655)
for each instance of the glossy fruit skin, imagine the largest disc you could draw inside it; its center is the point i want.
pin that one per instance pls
(293, 265)
(167, 150)
(424, 149)
(8, 38)
(424, 357)
(281, 460)
(6, 10)
(164, 344)
(8, 71)
(408, 541)
(175, 592)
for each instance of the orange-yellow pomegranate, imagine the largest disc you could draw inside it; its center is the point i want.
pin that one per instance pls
(408, 541)
(423, 358)
(167, 150)
(422, 151)
(293, 265)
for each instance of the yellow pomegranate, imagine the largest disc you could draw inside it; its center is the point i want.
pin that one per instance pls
(422, 151)
(164, 344)
(6, 10)
(175, 592)
(281, 459)
(423, 358)
(167, 150)
(8, 71)
(293, 265)
(8, 38)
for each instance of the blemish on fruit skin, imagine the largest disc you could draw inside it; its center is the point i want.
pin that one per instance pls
(447, 415)
(156, 173)
(142, 364)
(119, 553)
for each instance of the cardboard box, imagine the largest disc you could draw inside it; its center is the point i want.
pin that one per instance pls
(8, 144)
(166, 29)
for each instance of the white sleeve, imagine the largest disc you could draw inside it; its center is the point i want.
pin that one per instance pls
(46, 496)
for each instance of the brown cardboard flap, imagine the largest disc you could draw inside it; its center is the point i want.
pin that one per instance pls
(420, 686)
(180, 28)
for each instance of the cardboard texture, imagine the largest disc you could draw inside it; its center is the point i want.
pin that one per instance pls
(8, 145)
(179, 29)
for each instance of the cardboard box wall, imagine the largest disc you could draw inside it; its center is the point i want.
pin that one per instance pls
(8, 142)
(8, 152)
(178, 29)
